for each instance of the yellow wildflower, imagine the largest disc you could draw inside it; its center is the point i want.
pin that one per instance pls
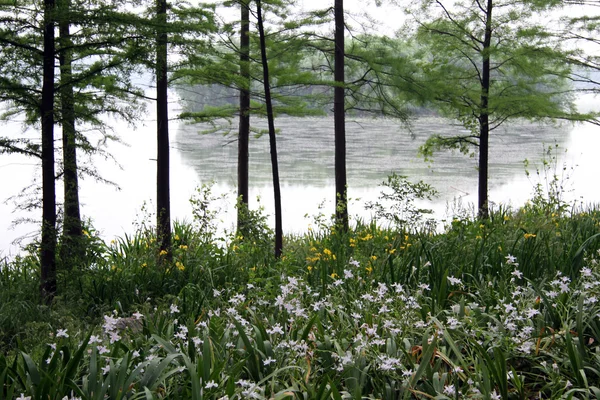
(309, 268)
(392, 251)
(176, 237)
(506, 217)
(478, 237)
(113, 267)
(327, 252)
(86, 233)
(180, 265)
(334, 275)
(183, 247)
(144, 265)
(352, 242)
(163, 253)
(369, 269)
(373, 257)
(529, 235)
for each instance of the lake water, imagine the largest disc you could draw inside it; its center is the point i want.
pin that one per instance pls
(376, 148)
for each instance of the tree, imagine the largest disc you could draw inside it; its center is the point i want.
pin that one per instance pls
(244, 117)
(486, 62)
(48, 243)
(163, 197)
(341, 185)
(72, 249)
(272, 139)
(29, 87)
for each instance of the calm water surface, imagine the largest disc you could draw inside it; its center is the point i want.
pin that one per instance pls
(376, 148)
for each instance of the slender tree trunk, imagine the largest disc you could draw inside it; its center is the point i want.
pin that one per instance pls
(48, 245)
(71, 250)
(341, 186)
(163, 198)
(484, 126)
(272, 140)
(244, 127)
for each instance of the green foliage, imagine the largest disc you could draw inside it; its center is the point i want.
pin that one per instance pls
(497, 309)
(396, 204)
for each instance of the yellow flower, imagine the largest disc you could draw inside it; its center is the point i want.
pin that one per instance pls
(334, 275)
(481, 226)
(529, 235)
(309, 268)
(327, 252)
(352, 242)
(392, 251)
(183, 247)
(86, 233)
(253, 269)
(506, 217)
(163, 253)
(180, 266)
(369, 269)
(144, 265)
(113, 267)
(478, 237)
(373, 257)
(176, 237)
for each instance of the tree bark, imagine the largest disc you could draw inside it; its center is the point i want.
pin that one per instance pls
(48, 245)
(72, 249)
(341, 199)
(272, 140)
(484, 127)
(244, 123)
(163, 198)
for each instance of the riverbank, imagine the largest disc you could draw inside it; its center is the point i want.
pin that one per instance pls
(507, 307)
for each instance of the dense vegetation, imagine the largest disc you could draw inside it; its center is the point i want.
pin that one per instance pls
(506, 308)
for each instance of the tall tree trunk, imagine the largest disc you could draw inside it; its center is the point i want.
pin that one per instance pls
(272, 140)
(484, 126)
(244, 126)
(341, 209)
(72, 249)
(163, 198)
(48, 245)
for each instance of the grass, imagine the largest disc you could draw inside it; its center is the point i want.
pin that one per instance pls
(507, 308)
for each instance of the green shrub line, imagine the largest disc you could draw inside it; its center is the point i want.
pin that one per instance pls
(505, 308)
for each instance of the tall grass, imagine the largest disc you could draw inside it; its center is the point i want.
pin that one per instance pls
(507, 308)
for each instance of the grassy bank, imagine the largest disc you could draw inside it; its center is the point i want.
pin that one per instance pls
(507, 308)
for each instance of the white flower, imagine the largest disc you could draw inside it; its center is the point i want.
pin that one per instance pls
(103, 350)
(137, 315)
(173, 309)
(62, 333)
(517, 273)
(449, 390)
(275, 329)
(269, 361)
(23, 397)
(354, 263)
(348, 274)
(586, 271)
(210, 384)
(106, 369)
(532, 312)
(95, 339)
(454, 281)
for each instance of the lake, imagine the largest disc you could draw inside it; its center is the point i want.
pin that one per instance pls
(376, 148)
